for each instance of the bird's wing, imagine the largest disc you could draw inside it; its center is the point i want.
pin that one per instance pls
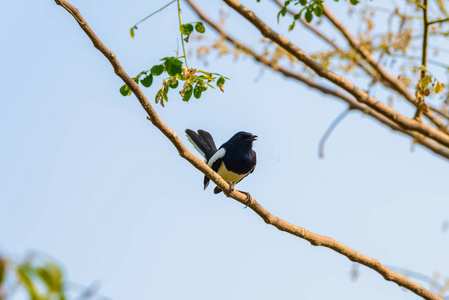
(215, 163)
(252, 170)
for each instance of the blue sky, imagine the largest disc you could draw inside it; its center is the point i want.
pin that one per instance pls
(86, 179)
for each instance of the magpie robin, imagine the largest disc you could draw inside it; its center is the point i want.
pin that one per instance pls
(233, 161)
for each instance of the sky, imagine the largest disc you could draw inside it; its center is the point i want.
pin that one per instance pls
(86, 180)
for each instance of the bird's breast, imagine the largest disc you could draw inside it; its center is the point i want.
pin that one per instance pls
(229, 176)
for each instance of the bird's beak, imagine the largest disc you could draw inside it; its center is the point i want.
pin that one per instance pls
(254, 137)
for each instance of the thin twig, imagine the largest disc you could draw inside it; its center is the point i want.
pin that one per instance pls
(182, 40)
(438, 21)
(135, 25)
(438, 111)
(420, 107)
(329, 130)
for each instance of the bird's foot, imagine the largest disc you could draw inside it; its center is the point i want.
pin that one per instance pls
(231, 188)
(248, 198)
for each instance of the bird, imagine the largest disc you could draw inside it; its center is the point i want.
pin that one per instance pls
(233, 161)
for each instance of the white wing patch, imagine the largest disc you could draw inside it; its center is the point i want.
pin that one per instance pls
(196, 146)
(219, 154)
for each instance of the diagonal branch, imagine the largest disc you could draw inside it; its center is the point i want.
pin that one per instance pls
(282, 225)
(432, 146)
(340, 81)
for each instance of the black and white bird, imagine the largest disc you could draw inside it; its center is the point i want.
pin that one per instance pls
(233, 161)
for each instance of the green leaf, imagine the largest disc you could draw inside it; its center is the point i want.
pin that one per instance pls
(51, 275)
(158, 96)
(147, 81)
(186, 29)
(308, 16)
(354, 2)
(318, 11)
(220, 83)
(426, 81)
(173, 83)
(157, 70)
(164, 94)
(24, 276)
(282, 12)
(131, 31)
(188, 94)
(125, 91)
(197, 91)
(303, 2)
(290, 28)
(136, 80)
(199, 27)
(173, 66)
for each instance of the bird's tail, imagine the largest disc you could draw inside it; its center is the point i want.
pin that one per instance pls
(203, 142)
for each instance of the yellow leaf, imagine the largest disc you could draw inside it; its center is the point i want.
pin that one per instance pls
(437, 88)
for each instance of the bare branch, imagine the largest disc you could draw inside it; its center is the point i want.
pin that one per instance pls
(392, 82)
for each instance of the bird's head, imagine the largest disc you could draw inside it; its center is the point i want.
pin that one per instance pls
(244, 138)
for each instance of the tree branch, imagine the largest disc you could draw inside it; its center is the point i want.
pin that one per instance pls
(282, 225)
(340, 81)
(438, 21)
(352, 104)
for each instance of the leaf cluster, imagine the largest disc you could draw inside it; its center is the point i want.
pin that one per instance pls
(187, 29)
(310, 8)
(41, 281)
(193, 84)
(426, 82)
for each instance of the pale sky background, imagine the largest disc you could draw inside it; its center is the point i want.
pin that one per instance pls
(86, 179)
